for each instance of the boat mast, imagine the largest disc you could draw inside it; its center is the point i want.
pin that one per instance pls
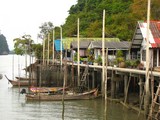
(147, 96)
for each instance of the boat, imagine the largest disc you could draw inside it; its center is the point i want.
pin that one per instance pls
(18, 82)
(45, 89)
(24, 78)
(92, 94)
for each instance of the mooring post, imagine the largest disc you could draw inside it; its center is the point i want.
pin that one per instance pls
(93, 79)
(125, 88)
(117, 87)
(112, 86)
(140, 90)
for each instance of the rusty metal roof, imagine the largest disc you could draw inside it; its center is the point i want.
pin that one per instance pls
(140, 34)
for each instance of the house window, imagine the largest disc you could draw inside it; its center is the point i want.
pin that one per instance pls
(143, 55)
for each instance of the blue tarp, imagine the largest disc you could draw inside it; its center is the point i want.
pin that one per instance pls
(57, 44)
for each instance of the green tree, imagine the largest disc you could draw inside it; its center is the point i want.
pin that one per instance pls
(23, 45)
(121, 17)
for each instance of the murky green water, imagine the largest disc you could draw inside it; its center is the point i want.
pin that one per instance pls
(13, 105)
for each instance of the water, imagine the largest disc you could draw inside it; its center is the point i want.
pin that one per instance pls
(13, 105)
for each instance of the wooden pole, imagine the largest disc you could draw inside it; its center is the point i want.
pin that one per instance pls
(147, 95)
(26, 60)
(61, 43)
(64, 84)
(112, 85)
(13, 67)
(43, 50)
(103, 56)
(53, 45)
(48, 48)
(140, 89)
(78, 52)
(106, 81)
(19, 73)
(93, 79)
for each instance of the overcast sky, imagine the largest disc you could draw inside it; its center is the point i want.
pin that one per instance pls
(19, 17)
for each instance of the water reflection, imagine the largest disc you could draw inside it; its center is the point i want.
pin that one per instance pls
(13, 105)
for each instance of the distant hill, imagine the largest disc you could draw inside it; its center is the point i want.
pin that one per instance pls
(4, 50)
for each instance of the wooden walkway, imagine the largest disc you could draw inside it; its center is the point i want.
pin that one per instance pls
(125, 70)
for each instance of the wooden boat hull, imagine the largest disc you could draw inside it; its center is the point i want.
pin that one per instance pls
(17, 83)
(58, 97)
(23, 78)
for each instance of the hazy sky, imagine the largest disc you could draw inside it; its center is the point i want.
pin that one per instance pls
(19, 17)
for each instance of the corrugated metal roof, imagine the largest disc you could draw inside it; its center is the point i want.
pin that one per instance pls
(110, 45)
(85, 42)
(82, 44)
(57, 44)
(140, 34)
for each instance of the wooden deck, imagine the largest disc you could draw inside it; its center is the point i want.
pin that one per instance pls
(125, 70)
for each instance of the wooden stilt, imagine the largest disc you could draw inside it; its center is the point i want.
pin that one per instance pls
(112, 86)
(140, 90)
(93, 79)
(117, 88)
(125, 86)
(126, 97)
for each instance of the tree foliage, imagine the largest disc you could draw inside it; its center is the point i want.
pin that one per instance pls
(121, 17)
(3, 45)
(23, 45)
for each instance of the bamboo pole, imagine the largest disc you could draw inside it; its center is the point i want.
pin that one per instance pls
(48, 48)
(147, 96)
(61, 43)
(106, 80)
(126, 92)
(103, 56)
(53, 45)
(19, 73)
(43, 50)
(64, 84)
(78, 52)
(26, 60)
(13, 67)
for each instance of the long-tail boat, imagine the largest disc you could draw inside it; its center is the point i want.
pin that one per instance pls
(92, 94)
(17, 82)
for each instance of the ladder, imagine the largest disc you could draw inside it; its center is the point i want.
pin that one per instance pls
(84, 76)
(154, 113)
